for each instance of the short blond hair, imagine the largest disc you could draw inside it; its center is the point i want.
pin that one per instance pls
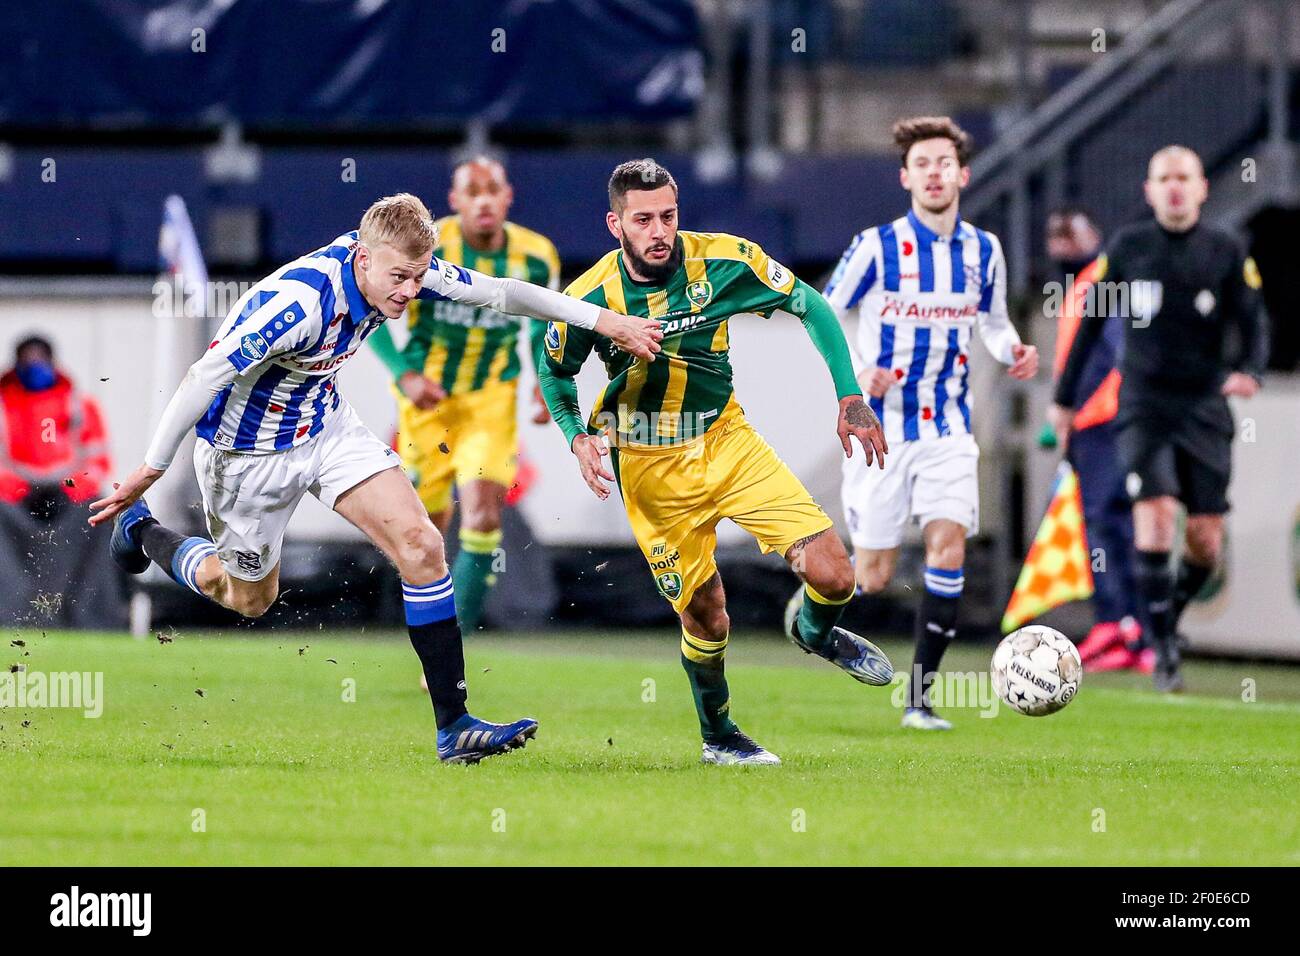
(401, 221)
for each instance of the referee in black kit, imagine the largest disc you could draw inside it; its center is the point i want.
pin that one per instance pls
(1186, 283)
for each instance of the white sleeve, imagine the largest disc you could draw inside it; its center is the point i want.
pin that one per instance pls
(444, 280)
(281, 324)
(205, 378)
(854, 276)
(996, 331)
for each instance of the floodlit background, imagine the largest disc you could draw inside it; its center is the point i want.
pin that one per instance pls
(279, 122)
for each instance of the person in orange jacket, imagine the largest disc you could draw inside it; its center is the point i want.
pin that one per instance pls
(53, 456)
(1114, 643)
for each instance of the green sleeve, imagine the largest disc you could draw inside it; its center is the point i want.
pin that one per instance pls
(381, 340)
(537, 343)
(565, 348)
(824, 329)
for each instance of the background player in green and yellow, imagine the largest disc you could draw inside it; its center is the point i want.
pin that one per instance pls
(457, 376)
(680, 448)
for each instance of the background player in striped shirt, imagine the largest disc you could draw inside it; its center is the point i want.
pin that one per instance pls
(918, 286)
(457, 376)
(273, 428)
(682, 451)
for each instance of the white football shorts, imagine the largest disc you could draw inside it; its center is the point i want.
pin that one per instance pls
(248, 499)
(922, 480)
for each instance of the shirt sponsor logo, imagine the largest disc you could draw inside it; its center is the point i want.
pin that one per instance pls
(777, 274)
(673, 326)
(326, 364)
(895, 308)
(666, 561)
(252, 346)
(453, 274)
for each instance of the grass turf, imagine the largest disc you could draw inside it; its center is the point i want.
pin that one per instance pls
(286, 772)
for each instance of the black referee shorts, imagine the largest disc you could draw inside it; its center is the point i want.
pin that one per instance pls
(1189, 461)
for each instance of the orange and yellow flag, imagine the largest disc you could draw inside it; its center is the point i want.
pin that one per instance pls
(1056, 569)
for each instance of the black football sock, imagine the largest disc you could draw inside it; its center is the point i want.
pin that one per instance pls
(179, 555)
(1191, 578)
(1155, 586)
(159, 543)
(435, 635)
(703, 662)
(936, 626)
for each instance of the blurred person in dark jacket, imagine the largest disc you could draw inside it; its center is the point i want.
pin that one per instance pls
(1114, 643)
(53, 458)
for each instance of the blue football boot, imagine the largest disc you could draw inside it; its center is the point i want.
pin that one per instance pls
(469, 739)
(125, 545)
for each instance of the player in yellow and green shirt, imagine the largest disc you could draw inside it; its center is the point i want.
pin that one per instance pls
(680, 448)
(456, 377)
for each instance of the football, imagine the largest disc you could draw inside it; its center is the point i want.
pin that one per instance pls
(1036, 670)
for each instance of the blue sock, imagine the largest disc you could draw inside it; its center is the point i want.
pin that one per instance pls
(185, 562)
(427, 603)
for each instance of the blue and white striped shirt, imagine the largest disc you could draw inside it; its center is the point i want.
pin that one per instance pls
(917, 296)
(286, 338)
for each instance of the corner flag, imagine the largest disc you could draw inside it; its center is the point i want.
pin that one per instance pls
(1056, 570)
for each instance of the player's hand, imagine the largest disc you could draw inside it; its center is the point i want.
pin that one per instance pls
(543, 414)
(1025, 365)
(857, 419)
(124, 495)
(1240, 384)
(631, 333)
(877, 381)
(1062, 421)
(590, 449)
(424, 393)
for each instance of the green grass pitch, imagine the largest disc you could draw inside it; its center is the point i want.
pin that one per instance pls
(272, 766)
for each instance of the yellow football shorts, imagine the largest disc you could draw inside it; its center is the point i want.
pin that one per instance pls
(464, 437)
(676, 495)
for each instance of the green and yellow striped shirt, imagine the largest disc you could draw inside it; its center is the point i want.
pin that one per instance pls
(679, 395)
(462, 347)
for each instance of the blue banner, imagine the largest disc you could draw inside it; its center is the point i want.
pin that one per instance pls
(348, 63)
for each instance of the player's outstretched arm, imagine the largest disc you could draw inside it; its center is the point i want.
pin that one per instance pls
(640, 337)
(205, 378)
